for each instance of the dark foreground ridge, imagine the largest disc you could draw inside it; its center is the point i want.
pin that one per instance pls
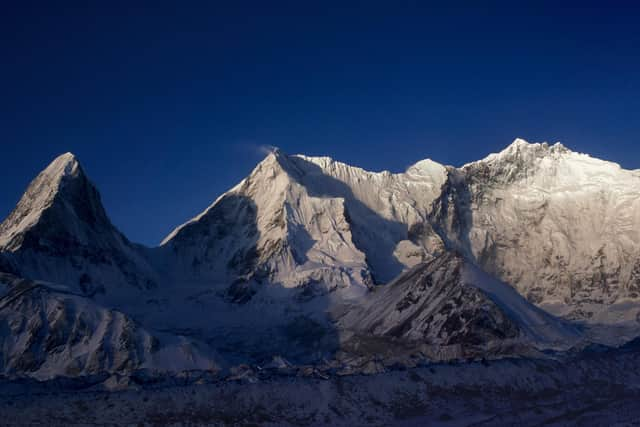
(590, 388)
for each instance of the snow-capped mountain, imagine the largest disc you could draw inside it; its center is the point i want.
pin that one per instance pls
(333, 260)
(300, 220)
(60, 232)
(562, 227)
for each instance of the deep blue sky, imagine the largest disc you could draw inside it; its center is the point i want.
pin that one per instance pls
(166, 105)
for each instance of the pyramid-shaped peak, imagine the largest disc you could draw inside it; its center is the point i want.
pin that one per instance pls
(275, 163)
(64, 165)
(67, 157)
(52, 179)
(62, 179)
(274, 155)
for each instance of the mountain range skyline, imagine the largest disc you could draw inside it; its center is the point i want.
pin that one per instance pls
(257, 152)
(397, 220)
(184, 97)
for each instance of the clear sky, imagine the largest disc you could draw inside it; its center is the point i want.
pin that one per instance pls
(168, 104)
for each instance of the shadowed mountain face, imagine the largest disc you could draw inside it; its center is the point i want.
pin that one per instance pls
(449, 308)
(432, 303)
(60, 211)
(270, 227)
(48, 332)
(60, 232)
(247, 312)
(313, 259)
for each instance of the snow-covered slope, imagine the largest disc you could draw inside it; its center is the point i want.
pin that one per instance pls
(450, 305)
(47, 331)
(59, 232)
(270, 228)
(305, 221)
(562, 227)
(387, 211)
